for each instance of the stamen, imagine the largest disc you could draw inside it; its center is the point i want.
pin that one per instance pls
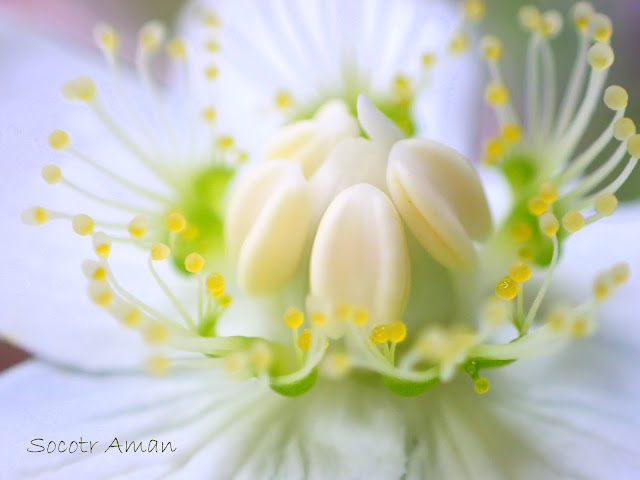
(193, 262)
(293, 318)
(83, 224)
(572, 221)
(507, 289)
(520, 272)
(175, 222)
(606, 204)
(215, 285)
(138, 226)
(101, 244)
(35, 216)
(304, 340)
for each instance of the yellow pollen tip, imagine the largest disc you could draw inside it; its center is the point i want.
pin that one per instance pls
(101, 244)
(572, 221)
(81, 88)
(318, 318)
(210, 19)
(293, 317)
(550, 24)
(507, 288)
(616, 97)
(633, 146)
(260, 356)
(558, 321)
(401, 86)
(151, 35)
(606, 204)
(529, 17)
(107, 38)
(496, 94)
(620, 273)
(100, 273)
(512, 132)
(521, 232)
(520, 272)
(194, 262)
(494, 149)
(138, 226)
(548, 192)
(549, 224)
(397, 331)
(491, 47)
(526, 253)
(459, 43)
(600, 56)
(428, 60)
(209, 114)
(481, 385)
(132, 317)
(379, 334)
(582, 14)
(304, 340)
(212, 46)
(103, 297)
(177, 49)
(156, 333)
(537, 206)
(580, 327)
(360, 316)
(211, 72)
(624, 129)
(175, 222)
(344, 311)
(59, 140)
(225, 300)
(157, 366)
(159, 252)
(215, 285)
(602, 28)
(224, 142)
(82, 224)
(474, 10)
(283, 99)
(602, 287)
(51, 174)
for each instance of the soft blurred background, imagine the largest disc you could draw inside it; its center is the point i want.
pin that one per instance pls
(70, 22)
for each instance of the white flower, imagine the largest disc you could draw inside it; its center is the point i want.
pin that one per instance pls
(362, 272)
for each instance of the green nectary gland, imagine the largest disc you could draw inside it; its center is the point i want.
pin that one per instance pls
(202, 204)
(397, 109)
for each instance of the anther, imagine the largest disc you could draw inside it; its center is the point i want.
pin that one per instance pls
(491, 47)
(494, 150)
(360, 316)
(156, 333)
(107, 38)
(175, 222)
(82, 224)
(602, 286)
(397, 331)
(224, 142)
(211, 72)
(51, 174)
(209, 114)
(507, 288)
(159, 252)
(572, 221)
(459, 43)
(304, 340)
(428, 60)
(225, 300)
(283, 99)
(521, 232)
(526, 253)
(529, 17)
(624, 129)
(215, 285)
(177, 49)
(548, 192)
(496, 94)
(601, 28)
(520, 272)
(550, 24)
(474, 10)
(59, 139)
(582, 13)
(606, 204)
(620, 273)
(549, 224)
(379, 334)
(633, 146)
(100, 293)
(138, 226)
(101, 244)
(616, 97)
(600, 56)
(481, 385)
(194, 262)
(35, 216)
(512, 132)
(151, 35)
(293, 317)
(537, 206)
(81, 88)
(157, 365)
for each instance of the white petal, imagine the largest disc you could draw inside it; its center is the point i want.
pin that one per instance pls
(378, 127)
(267, 225)
(440, 197)
(360, 255)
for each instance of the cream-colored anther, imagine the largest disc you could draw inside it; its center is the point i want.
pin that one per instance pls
(81, 88)
(309, 142)
(549, 224)
(529, 17)
(600, 56)
(551, 23)
(491, 47)
(620, 273)
(267, 224)
(616, 97)
(94, 270)
(107, 38)
(360, 256)
(633, 145)
(51, 174)
(440, 196)
(606, 204)
(82, 224)
(601, 28)
(376, 124)
(151, 36)
(624, 129)
(582, 13)
(100, 293)
(101, 244)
